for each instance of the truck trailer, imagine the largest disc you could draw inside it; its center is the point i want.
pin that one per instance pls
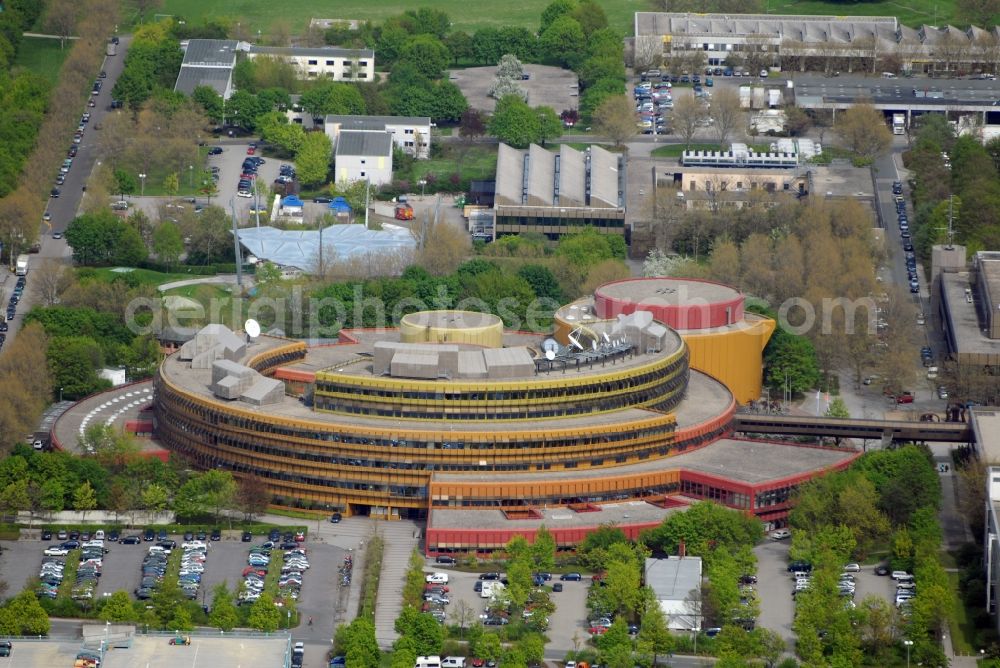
(22, 265)
(899, 124)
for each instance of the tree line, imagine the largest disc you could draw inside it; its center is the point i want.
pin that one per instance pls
(819, 252)
(21, 208)
(888, 499)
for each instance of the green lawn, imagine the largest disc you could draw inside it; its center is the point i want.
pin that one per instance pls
(910, 12)
(259, 14)
(144, 276)
(42, 56)
(480, 162)
(189, 182)
(963, 631)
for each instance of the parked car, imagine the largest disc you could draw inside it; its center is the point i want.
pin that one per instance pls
(781, 534)
(571, 577)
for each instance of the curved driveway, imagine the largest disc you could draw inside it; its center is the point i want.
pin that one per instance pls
(114, 407)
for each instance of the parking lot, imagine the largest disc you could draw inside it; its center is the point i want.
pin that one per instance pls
(775, 586)
(568, 620)
(547, 86)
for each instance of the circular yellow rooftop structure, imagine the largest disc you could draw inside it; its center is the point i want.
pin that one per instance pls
(469, 327)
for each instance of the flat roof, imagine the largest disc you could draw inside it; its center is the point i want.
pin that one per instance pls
(668, 291)
(319, 52)
(626, 512)
(364, 143)
(705, 398)
(750, 462)
(986, 427)
(844, 180)
(449, 319)
(151, 652)
(963, 325)
(673, 578)
(380, 120)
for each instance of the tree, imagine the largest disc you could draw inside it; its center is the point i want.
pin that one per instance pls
(561, 41)
(125, 183)
(168, 243)
(514, 122)
(313, 161)
(473, 125)
(726, 113)
(444, 248)
(61, 19)
(155, 497)
(654, 636)
(130, 249)
(509, 67)
(615, 118)
(647, 52)
(549, 125)
(838, 408)
(543, 550)
(118, 608)
(863, 130)
(554, 10)
(705, 528)
(211, 102)
(51, 279)
(264, 616)
(462, 615)
(252, 496)
(84, 498)
(25, 616)
(330, 97)
(687, 118)
(427, 54)
(143, 7)
(14, 498)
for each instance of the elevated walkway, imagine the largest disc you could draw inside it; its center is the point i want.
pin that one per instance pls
(887, 430)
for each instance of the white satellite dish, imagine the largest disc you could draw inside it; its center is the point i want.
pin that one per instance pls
(252, 328)
(607, 339)
(593, 344)
(550, 344)
(572, 339)
(550, 355)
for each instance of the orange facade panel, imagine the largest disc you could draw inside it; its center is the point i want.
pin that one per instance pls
(733, 356)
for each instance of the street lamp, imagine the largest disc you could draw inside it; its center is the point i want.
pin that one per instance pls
(60, 395)
(142, 180)
(191, 175)
(909, 644)
(422, 183)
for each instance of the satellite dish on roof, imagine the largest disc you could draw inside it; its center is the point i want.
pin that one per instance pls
(607, 339)
(550, 344)
(550, 355)
(593, 344)
(252, 328)
(572, 339)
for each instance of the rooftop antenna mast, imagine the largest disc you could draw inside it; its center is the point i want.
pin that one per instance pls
(951, 229)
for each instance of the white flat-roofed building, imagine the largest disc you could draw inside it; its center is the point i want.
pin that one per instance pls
(676, 584)
(410, 133)
(323, 62)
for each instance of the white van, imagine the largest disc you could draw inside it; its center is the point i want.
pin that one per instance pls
(99, 534)
(453, 662)
(428, 662)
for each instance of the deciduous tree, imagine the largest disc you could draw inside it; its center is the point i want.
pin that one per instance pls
(726, 114)
(313, 161)
(615, 118)
(864, 132)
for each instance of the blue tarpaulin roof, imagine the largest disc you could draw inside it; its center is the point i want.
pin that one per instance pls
(300, 248)
(291, 200)
(340, 204)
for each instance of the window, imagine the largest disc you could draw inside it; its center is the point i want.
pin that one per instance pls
(313, 62)
(408, 131)
(362, 63)
(362, 161)
(331, 63)
(362, 75)
(362, 175)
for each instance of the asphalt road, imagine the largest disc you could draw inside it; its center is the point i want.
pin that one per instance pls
(64, 207)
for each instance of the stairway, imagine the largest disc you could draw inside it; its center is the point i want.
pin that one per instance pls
(401, 537)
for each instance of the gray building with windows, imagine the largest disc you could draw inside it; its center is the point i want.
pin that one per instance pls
(364, 156)
(559, 192)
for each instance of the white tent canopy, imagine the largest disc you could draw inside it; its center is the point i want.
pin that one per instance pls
(300, 248)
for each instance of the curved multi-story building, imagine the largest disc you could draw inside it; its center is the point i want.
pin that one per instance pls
(453, 419)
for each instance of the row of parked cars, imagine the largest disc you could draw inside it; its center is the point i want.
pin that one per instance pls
(15, 299)
(294, 564)
(91, 560)
(250, 166)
